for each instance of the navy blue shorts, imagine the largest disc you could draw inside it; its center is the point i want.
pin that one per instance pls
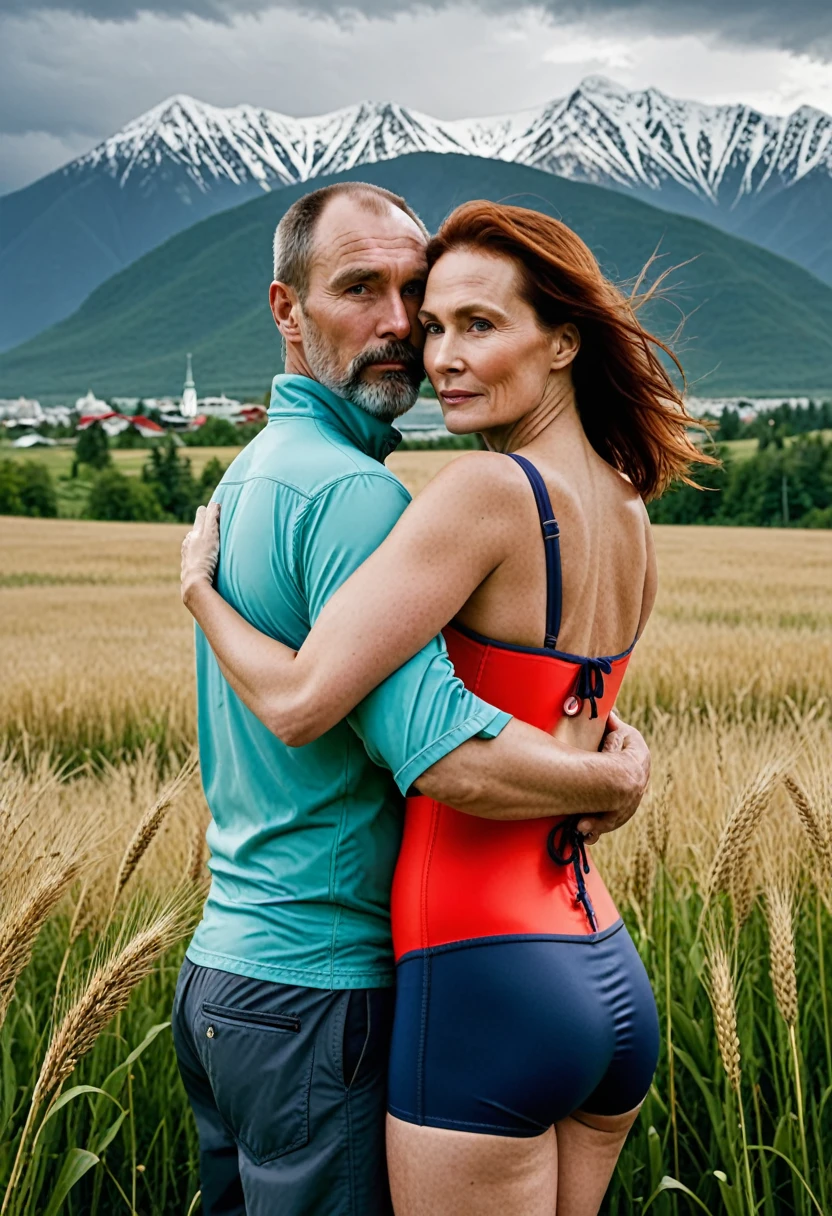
(507, 1035)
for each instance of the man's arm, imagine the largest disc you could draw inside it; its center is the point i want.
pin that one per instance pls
(424, 725)
(524, 773)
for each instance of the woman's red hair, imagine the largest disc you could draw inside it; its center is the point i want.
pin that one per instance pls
(633, 414)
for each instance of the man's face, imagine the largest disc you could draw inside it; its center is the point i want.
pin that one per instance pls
(359, 325)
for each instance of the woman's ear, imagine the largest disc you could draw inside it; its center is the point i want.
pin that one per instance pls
(566, 342)
(284, 305)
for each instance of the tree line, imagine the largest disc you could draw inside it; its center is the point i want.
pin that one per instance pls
(165, 490)
(772, 426)
(779, 486)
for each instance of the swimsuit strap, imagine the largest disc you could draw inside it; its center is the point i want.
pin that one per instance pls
(551, 541)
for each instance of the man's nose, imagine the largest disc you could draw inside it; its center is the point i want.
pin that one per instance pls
(394, 321)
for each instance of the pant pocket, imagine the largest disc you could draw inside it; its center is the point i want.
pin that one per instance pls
(260, 1068)
(367, 1027)
(357, 1025)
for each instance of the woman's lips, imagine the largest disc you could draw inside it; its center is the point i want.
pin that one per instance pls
(457, 396)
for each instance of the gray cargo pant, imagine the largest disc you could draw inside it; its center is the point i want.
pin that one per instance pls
(288, 1086)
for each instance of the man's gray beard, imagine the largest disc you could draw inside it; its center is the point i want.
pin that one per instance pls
(386, 399)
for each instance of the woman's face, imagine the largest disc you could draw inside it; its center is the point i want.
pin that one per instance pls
(487, 357)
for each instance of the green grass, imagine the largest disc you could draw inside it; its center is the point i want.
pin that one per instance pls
(743, 449)
(127, 460)
(688, 1129)
(154, 1148)
(73, 492)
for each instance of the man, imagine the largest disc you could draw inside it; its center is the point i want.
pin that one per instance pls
(283, 1008)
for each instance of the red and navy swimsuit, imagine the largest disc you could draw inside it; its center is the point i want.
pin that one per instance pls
(520, 995)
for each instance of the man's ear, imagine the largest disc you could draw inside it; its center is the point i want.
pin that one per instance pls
(284, 304)
(565, 345)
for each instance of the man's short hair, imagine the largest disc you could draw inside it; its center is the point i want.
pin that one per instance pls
(294, 235)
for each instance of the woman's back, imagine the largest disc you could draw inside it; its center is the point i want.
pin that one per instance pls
(464, 878)
(606, 562)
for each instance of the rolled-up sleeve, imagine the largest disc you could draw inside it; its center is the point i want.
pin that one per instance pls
(422, 711)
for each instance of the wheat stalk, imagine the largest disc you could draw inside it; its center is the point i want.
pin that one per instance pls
(82, 917)
(719, 742)
(735, 838)
(105, 994)
(743, 890)
(149, 825)
(813, 822)
(781, 948)
(20, 930)
(643, 869)
(784, 982)
(724, 1003)
(195, 864)
(658, 825)
(723, 995)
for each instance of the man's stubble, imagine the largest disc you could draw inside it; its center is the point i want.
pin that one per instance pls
(387, 398)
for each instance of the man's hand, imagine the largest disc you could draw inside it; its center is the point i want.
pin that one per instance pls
(524, 773)
(629, 743)
(201, 550)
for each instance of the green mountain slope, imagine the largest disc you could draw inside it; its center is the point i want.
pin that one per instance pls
(755, 323)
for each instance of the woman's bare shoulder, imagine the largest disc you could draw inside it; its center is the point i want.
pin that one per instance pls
(477, 479)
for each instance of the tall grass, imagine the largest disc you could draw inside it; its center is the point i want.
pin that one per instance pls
(734, 927)
(724, 876)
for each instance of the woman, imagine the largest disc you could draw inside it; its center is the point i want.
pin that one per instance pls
(526, 1035)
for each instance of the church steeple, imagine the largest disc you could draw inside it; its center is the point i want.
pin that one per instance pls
(188, 404)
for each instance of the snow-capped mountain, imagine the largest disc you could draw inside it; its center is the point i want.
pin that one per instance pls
(766, 178)
(599, 133)
(244, 144)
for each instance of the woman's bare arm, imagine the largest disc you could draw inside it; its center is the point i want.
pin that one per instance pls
(445, 544)
(393, 604)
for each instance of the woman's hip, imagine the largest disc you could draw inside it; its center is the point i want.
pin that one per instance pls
(507, 1035)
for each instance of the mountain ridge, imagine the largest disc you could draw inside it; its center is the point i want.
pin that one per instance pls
(793, 145)
(757, 324)
(766, 178)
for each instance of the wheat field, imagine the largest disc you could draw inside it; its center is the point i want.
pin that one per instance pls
(724, 876)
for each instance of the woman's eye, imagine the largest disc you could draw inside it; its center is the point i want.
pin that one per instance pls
(431, 328)
(480, 327)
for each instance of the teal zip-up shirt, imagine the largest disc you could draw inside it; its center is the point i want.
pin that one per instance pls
(304, 840)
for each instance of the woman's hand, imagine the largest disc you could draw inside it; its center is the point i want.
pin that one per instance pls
(257, 667)
(201, 550)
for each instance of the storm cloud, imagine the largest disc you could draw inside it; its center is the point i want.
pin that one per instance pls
(74, 71)
(799, 25)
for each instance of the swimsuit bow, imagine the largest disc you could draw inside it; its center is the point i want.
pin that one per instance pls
(565, 834)
(590, 685)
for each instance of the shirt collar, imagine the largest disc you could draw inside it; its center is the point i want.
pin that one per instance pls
(294, 395)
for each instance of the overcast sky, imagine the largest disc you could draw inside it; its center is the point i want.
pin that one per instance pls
(74, 71)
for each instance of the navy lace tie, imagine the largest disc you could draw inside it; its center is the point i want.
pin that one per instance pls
(590, 685)
(566, 835)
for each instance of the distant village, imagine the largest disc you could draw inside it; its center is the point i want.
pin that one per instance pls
(28, 424)
(150, 417)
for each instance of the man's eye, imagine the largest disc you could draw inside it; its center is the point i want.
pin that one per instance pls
(357, 289)
(414, 289)
(480, 327)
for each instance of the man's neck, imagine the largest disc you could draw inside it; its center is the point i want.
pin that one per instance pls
(296, 364)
